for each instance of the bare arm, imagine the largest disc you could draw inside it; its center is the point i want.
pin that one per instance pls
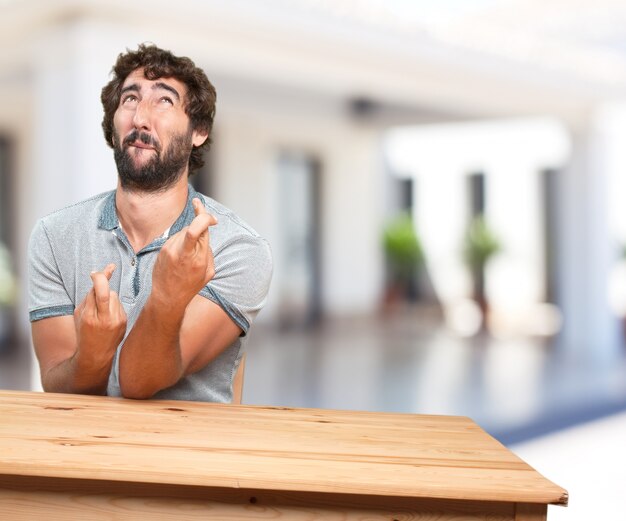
(75, 354)
(178, 332)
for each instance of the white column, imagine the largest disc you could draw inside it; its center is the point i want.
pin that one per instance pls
(585, 249)
(72, 160)
(440, 219)
(516, 278)
(352, 209)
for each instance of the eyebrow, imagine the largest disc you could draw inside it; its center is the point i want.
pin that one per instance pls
(128, 88)
(158, 85)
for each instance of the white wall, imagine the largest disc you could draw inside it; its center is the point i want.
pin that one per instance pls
(249, 139)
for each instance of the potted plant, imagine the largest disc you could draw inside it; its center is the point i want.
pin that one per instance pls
(480, 245)
(404, 257)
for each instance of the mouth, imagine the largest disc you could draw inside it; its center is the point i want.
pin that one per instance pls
(140, 144)
(141, 140)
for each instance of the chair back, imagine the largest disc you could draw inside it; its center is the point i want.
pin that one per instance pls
(238, 381)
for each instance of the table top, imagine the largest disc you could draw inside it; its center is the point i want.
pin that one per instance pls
(267, 448)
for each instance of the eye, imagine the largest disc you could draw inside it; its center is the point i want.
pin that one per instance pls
(166, 100)
(129, 98)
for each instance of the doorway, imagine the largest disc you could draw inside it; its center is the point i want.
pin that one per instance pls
(299, 195)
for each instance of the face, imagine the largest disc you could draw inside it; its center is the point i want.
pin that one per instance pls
(152, 134)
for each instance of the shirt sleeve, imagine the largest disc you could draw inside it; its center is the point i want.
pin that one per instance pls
(243, 271)
(47, 296)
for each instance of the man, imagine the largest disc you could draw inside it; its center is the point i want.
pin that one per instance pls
(148, 290)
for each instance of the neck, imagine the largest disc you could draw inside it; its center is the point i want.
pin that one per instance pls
(144, 216)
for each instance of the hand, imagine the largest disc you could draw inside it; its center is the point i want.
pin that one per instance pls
(185, 263)
(100, 321)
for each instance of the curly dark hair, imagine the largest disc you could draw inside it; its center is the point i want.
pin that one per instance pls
(159, 63)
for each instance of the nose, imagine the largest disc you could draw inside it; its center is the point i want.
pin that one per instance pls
(142, 118)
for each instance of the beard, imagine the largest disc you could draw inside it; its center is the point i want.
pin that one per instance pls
(159, 172)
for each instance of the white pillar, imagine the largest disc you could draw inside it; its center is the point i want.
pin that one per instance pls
(517, 276)
(585, 249)
(439, 216)
(72, 160)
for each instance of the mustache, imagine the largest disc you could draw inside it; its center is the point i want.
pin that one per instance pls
(144, 137)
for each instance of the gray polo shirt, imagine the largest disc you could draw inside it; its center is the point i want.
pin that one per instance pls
(66, 246)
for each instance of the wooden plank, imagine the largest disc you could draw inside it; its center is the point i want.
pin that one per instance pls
(261, 448)
(531, 512)
(63, 500)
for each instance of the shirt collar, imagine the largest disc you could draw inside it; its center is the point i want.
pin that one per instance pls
(188, 213)
(109, 220)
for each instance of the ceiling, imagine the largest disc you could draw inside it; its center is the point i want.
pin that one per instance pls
(583, 38)
(441, 58)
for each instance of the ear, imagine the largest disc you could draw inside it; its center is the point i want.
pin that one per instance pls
(199, 137)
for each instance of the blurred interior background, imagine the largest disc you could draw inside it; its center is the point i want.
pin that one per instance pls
(441, 184)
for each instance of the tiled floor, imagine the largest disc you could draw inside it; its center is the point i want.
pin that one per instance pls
(515, 389)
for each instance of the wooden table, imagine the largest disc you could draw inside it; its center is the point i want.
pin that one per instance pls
(89, 458)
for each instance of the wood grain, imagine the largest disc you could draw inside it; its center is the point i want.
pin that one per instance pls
(38, 498)
(276, 450)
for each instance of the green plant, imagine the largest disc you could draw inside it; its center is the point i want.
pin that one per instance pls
(403, 248)
(480, 244)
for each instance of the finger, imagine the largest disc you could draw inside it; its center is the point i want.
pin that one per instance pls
(116, 305)
(200, 209)
(108, 270)
(101, 291)
(210, 269)
(198, 229)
